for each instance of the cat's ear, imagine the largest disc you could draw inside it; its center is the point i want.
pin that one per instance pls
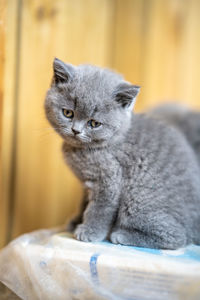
(125, 94)
(62, 71)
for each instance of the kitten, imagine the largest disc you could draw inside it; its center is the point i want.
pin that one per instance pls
(141, 174)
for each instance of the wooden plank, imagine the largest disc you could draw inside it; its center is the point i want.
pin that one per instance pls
(8, 117)
(3, 210)
(2, 59)
(128, 41)
(46, 191)
(157, 46)
(189, 63)
(171, 49)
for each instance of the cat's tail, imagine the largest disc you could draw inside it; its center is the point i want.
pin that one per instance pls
(185, 120)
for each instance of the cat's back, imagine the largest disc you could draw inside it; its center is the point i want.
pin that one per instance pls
(160, 172)
(156, 147)
(185, 120)
(155, 138)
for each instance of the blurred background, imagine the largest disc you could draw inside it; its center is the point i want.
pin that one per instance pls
(154, 43)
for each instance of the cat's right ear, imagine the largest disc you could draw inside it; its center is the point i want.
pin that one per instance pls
(125, 94)
(62, 72)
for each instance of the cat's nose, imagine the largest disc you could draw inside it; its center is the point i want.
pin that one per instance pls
(75, 131)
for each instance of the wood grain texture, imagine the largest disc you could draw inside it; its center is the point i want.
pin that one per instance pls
(10, 28)
(3, 205)
(157, 46)
(46, 192)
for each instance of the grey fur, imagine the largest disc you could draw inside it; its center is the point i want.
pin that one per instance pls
(141, 174)
(187, 121)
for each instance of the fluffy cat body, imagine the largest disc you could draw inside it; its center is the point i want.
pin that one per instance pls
(141, 175)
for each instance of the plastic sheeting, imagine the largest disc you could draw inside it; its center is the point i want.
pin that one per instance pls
(51, 265)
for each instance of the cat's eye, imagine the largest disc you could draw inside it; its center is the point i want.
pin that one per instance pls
(68, 113)
(94, 124)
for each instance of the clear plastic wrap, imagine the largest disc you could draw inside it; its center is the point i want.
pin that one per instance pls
(51, 265)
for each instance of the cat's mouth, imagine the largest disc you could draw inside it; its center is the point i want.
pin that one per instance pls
(82, 138)
(76, 139)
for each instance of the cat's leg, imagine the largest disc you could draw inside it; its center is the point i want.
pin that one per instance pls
(102, 207)
(78, 219)
(97, 222)
(164, 237)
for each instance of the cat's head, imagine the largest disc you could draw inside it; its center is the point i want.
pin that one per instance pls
(88, 105)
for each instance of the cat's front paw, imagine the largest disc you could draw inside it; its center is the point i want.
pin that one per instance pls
(88, 234)
(118, 238)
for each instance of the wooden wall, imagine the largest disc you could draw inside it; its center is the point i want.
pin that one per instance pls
(3, 203)
(154, 43)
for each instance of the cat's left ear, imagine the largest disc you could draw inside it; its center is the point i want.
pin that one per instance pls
(62, 72)
(125, 94)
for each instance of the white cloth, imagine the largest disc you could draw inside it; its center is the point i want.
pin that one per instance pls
(49, 265)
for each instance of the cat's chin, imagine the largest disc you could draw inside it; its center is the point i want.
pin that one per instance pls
(76, 141)
(84, 143)
(73, 141)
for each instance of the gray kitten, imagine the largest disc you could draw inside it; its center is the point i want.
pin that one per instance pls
(141, 174)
